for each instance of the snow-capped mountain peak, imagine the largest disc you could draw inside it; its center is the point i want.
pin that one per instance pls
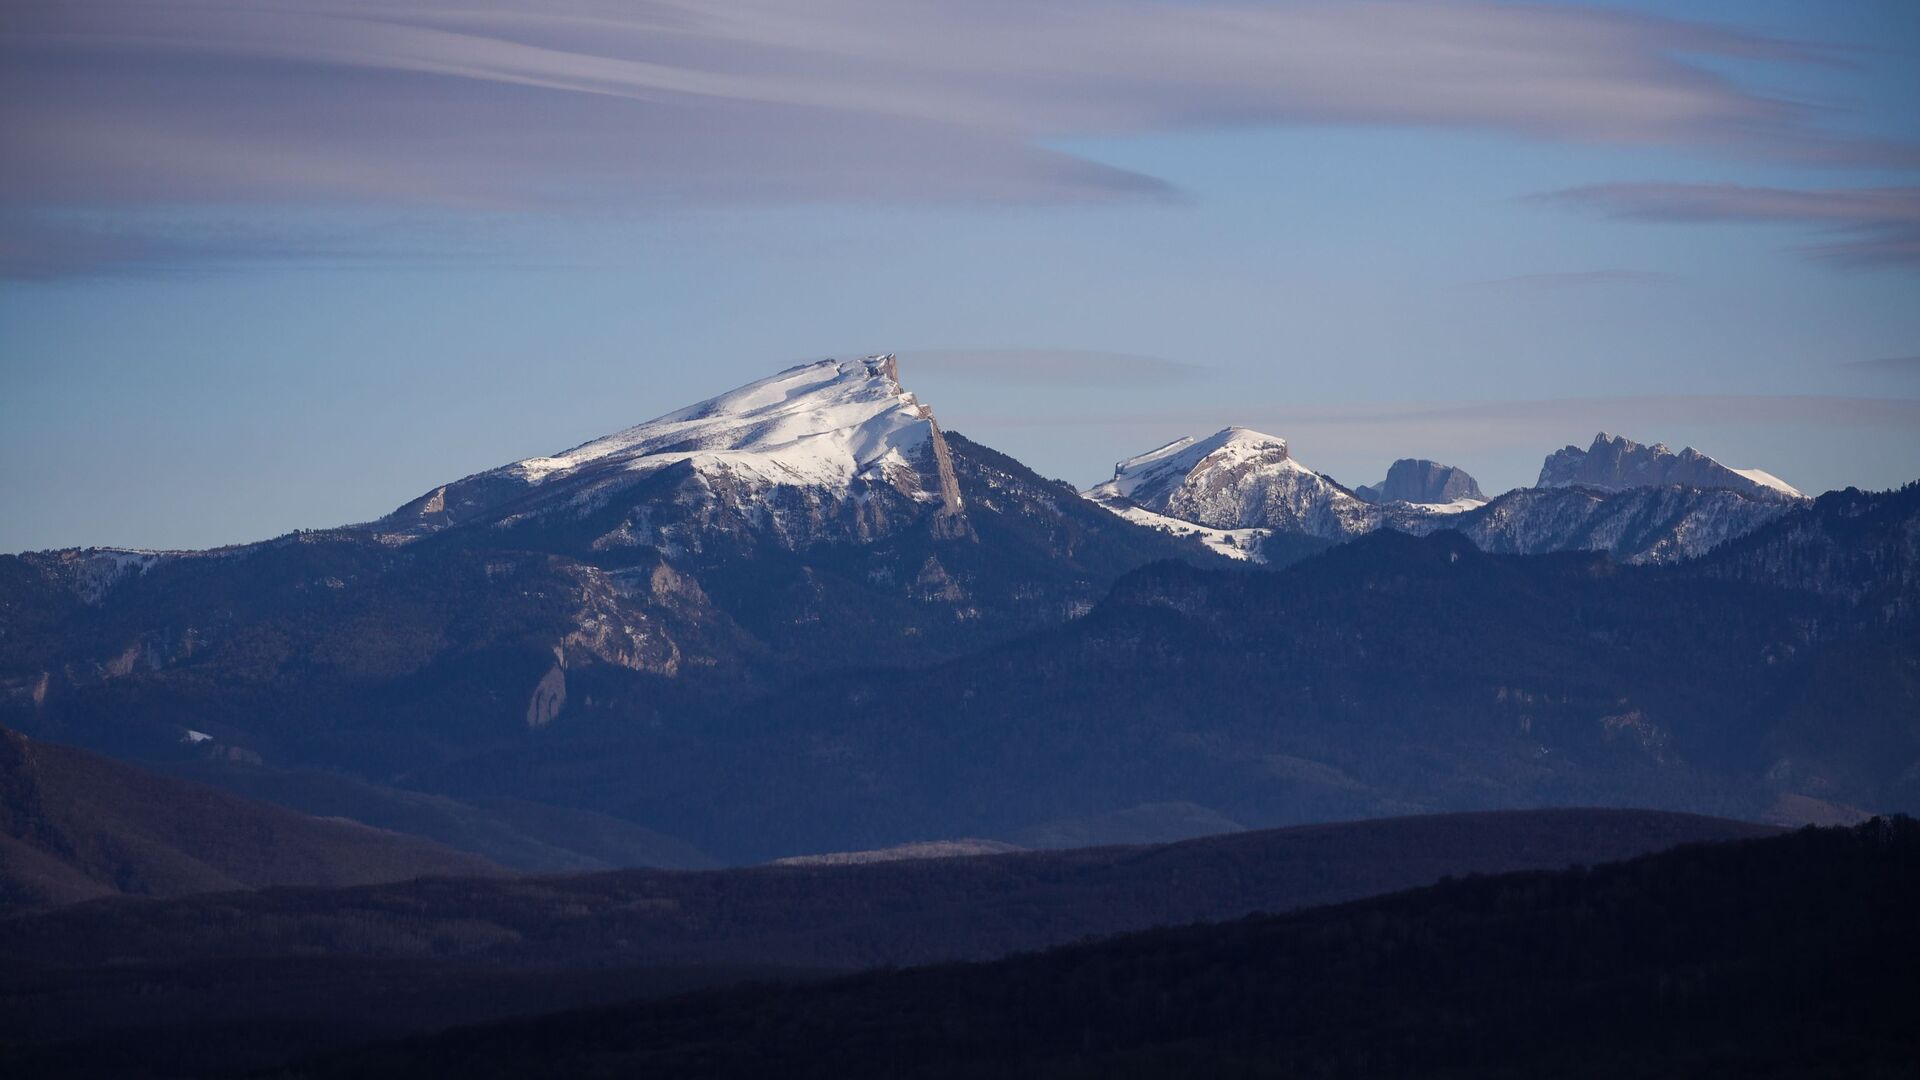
(821, 423)
(1151, 478)
(836, 428)
(1234, 479)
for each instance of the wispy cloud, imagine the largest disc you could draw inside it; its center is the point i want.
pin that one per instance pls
(1070, 367)
(1891, 365)
(55, 246)
(1872, 226)
(585, 105)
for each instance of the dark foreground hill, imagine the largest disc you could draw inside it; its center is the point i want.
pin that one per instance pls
(187, 987)
(75, 826)
(1785, 957)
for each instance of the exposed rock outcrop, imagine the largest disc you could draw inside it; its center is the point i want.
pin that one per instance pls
(1417, 480)
(1616, 463)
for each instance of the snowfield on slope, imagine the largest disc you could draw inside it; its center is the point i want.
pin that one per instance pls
(1236, 478)
(814, 425)
(831, 432)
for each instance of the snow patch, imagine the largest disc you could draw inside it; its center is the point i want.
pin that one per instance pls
(96, 571)
(1243, 544)
(1457, 506)
(1768, 480)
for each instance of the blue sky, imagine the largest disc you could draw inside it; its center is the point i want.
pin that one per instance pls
(278, 269)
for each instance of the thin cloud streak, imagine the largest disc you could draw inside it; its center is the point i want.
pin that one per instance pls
(1876, 226)
(588, 107)
(1892, 365)
(57, 247)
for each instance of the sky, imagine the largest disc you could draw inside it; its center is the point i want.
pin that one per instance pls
(276, 267)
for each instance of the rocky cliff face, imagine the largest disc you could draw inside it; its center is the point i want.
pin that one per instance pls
(1417, 480)
(1616, 463)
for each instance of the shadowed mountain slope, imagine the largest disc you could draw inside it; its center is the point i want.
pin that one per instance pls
(76, 826)
(1389, 675)
(519, 835)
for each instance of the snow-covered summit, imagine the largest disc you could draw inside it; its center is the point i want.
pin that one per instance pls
(1616, 463)
(1236, 478)
(837, 428)
(817, 424)
(1150, 479)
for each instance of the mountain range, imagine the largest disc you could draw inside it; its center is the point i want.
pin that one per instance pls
(1393, 674)
(1245, 495)
(802, 618)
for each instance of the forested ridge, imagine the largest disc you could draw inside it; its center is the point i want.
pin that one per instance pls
(1784, 957)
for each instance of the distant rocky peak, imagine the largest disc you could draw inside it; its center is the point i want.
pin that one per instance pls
(1616, 463)
(1417, 480)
